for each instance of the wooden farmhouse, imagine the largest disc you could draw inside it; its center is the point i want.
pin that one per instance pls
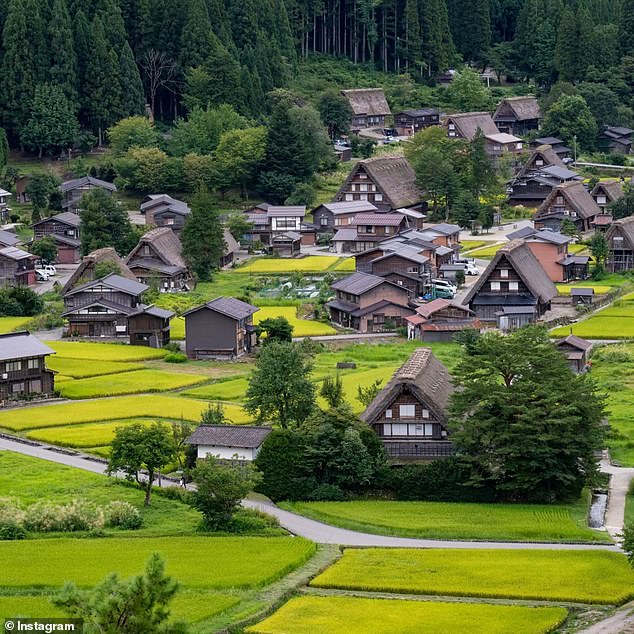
(615, 140)
(73, 191)
(557, 145)
(551, 250)
(514, 290)
(409, 414)
(399, 264)
(162, 210)
(64, 228)
(8, 239)
(620, 238)
(518, 115)
(328, 217)
(5, 210)
(17, 267)
(369, 303)
(571, 201)
(280, 228)
(543, 171)
(389, 183)
(101, 308)
(369, 108)
(221, 328)
(367, 230)
(157, 262)
(429, 244)
(576, 351)
(606, 192)
(229, 442)
(23, 371)
(88, 270)
(409, 122)
(150, 326)
(440, 320)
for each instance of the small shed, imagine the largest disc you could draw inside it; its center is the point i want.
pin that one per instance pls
(229, 442)
(449, 271)
(577, 351)
(150, 326)
(287, 244)
(582, 296)
(513, 317)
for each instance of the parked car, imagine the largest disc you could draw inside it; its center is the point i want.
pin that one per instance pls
(465, 261)
(445, 284)
(471, 269)
(440, 292)
(41, 275)
(49, 268)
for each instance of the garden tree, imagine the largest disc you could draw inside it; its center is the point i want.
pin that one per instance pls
(600, 248)
(139, 448)
(302, 194)
(365, 395)
(280, 389)
(570, 119)
(466, 209)
(220, 489)
(63, 68)
(180, 431)
(238, 225)
(624, 206)
(332, 391)
(132, 132)
(45, 249)
(460, 278)
(213, 415)
(239, 155)
(20, 301)
(202, 236)
(106, 267)
(362, 147)
(200, 133)
(569, 228)
(105, 223)
(276, 329)
(486, 217)
(467, 93)
(52, 126)
(335, 113)
(137, 606)
(481, 178)
(524, 422)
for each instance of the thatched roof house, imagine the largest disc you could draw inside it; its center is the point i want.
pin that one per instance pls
(85, 272)
(518, 115)
(369, 107)
(569, 200)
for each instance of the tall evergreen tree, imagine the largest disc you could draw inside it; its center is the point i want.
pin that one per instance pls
(438, 46)
(566, 49)
(626, 28)
(83, 50)
(132, 98)
(197, 38)
(63, 70)
(410, 48)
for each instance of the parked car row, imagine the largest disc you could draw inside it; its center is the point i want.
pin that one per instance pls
(45, 272)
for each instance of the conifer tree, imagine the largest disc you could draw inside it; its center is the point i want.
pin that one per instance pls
(63, 70)
(197, 38)
(438, 46)
(132, 98)
(566, 49)
(626, 28)
(411, 42)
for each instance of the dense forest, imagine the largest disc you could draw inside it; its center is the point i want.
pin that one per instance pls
(90, 63)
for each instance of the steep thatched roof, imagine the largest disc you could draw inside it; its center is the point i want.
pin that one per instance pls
(85, 272)
(526, 265)
(546, 154)
(468, 123)
(422, 375)
(578, 198)
(523, 108)
(166, 246)
(623, 227)
(367, 101)
(613, 190)
(231, 244)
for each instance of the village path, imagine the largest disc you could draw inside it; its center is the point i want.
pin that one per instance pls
(620, 482)
(297, 524)
(621, 622)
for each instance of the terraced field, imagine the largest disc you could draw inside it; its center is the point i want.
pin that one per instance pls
(309, 264)
(301, 327)
(11, 324)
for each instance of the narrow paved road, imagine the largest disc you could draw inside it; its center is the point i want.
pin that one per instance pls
(297, 524)
(622, 622)
(620, 481)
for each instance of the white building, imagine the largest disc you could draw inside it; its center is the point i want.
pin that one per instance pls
(229, 442)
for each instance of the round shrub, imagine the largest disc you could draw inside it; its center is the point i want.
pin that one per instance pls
(10, 528)
(123, 515)
(175, 357)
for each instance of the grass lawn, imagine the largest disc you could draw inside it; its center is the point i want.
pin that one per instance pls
(135, 382)
(576, 249)
(447, 520)
(85, 368)
(144, 406)
(197, 562)
(578, 576)
(309, 264)
(486, 252)
(350, 615)
(11, 324)
(301, 327)
(104, 351)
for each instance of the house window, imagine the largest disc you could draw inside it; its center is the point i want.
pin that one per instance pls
(388, 413)
(425, 413)
(363, 196)
(495, 286)
(513, 286)
(33, 364)
(363, 175)
(387, 430)
(504, 273)
(378, 197)
(452, 126)
(169, 221)
(16, 388)
(14, 366)
(35, 385)
(323, 221)
(559, 200)
(363, 187)
(146, 250)
(378, 318)
(539, 162)
(601, 200)
(407, 411)
(369, 229)
(412, 269)
(348, 196)
(518, 146)
(399, 429)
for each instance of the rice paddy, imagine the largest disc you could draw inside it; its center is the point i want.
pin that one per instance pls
(86, 368)
(486, 252)
(11, 324)
(309, 264)
(301, 327)
(104, 351)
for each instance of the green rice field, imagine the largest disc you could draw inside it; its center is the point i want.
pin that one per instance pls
(581, 576)
(351, 615)
(450, 520)
(470, 245)
(233, 390)
(599, 289)
(104, 351)
(86, 368)
(11, 324)
(309, 264)
(301, 327)
(487, 252)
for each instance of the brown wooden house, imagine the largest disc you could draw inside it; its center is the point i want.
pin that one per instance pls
(162, 210)
(157, 261)
(410, 413)
(389, 183)
(570, 201)
(367, 230)
(606, 192)
(23, 372)
(230, 250)
(101, 308)
(8, 239)
(409, 122)
(150, 326)
(514, 290)
(620, 238)
(366, 303)
(440, 320)
(615, 140)
(220, 328)
(73, 191)
(85, 272)
(64, 228)
(369, 108)
(576, 351)
(428, 244)
(17, 267)
(329, 217)
(518, 115)
(557, 145)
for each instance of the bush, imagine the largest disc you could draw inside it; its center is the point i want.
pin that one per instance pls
(11, 529)
(175, 357)
(326, 492)
(77, 515)
(172, 347)
(123, 515)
